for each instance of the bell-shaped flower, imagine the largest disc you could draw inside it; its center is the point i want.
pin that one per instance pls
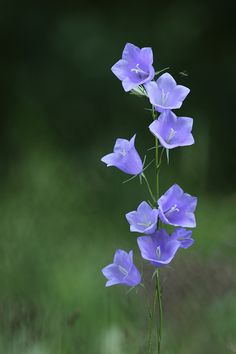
(183, 236)
(177, 208)
(144, 220)
(172, 131)
(135, 67)
(122, 270)
(165, 93)
(159, 248)
(125, 157)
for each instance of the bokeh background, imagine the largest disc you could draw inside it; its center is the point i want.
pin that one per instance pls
(62, 211)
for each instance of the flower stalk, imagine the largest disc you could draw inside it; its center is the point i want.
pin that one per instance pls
(175, 207)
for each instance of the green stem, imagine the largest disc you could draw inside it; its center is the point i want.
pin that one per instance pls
(158, 287)
(157, 169)
(149, 188)
(159, 328)
(151, 320)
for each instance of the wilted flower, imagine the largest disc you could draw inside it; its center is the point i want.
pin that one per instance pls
(183, 236)
(125, 157)
(144, 220)
(172, 131)
(158, 248)
(122, 270)
(165, 93)
(177, 208)
(135, 67)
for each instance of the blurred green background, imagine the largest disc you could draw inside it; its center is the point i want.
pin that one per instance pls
(62, 211)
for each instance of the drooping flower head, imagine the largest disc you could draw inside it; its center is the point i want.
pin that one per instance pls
(125, 157)
(172, 131)
(122, 270)
(177, 208)
(165, 93)
(135, 67)
(144, 220)
(158, 248)
(183, 236)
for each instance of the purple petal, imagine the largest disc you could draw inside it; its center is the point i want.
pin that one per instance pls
(123, 270)
(183, 236)
(146, 55)
(131, 52)
(133, 278)
(166, 82)
(144, 220)
(128, 84)
(164, 94)
(144, 208)
(181, 92)
(172, 131)
(177, 208)
(121, 145)
(159, 248)
(109, 159)
(153, 92)
(112, 273)
(122, 258)
(120, 69)
(170, 197)
(125, 157)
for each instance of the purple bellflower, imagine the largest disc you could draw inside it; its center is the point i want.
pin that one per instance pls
(158, 248)
(125, 157)
(177, 208)
(144, 220)
(135, 67)
(172, 131)
(183, 236)
(122, 270)
(165, 94)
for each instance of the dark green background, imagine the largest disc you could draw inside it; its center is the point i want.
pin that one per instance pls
(62, 211)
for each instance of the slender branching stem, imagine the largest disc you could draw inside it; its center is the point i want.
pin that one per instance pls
(159, 328)
(157, 289)
(158, 286)
(149, 188)
(152, 314)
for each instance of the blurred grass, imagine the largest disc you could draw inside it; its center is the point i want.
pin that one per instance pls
(61, 221)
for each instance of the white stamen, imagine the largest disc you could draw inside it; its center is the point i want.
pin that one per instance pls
(123, 270)
(144, 224)
(172, 209)
(158, 252)
(164, 96)
(137, 70)
(171, 135)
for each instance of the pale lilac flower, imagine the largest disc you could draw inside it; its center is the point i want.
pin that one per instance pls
(125, 157)
(122, 270)
(165, 93)
(183, 236)
(135, 67)
(172, 131)
(158, 248)
(144, 220)
(177, 208)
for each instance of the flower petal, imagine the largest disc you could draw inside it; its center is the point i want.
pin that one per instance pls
(120, 69)
(166, 82)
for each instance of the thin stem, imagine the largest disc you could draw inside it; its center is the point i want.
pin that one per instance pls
(157, 167)
(158, 287)
(151, 320)
(149, 188)
(159, 328)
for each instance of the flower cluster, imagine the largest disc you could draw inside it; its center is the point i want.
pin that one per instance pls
(174, 207)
